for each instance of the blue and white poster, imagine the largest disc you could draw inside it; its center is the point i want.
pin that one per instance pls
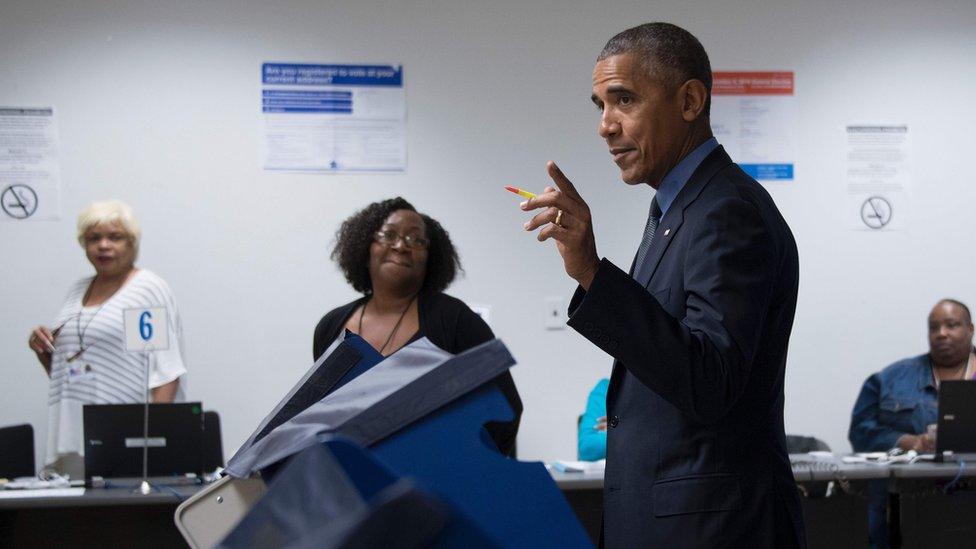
(333, 118)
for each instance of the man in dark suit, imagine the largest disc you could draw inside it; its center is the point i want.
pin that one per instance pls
(699, 329)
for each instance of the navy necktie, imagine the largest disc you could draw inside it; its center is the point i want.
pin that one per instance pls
(653, 218)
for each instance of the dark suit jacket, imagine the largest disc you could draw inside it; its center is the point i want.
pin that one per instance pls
(696, 452)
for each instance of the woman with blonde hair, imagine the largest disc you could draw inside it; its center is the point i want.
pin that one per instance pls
(84, 353)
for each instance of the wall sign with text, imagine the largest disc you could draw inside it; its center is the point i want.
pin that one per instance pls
(754, 117)
(333, 118)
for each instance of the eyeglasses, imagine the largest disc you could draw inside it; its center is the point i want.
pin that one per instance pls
(389, 238)
(82, 346)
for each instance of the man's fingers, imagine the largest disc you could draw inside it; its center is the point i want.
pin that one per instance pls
(552, 199)
(540, 219)
(563, 196)
(564, 184)
(554, 232)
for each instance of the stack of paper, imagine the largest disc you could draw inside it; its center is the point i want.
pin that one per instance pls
(579, 466)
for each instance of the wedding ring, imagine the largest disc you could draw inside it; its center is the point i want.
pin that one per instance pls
(559, 218)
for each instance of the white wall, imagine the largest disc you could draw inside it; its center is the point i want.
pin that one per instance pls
(158, 105)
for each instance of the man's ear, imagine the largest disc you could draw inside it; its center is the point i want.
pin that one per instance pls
(693, 95)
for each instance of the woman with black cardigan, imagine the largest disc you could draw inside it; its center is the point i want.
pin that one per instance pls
(402, 261)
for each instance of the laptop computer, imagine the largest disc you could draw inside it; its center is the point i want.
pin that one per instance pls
(114, 440)
(956, 439)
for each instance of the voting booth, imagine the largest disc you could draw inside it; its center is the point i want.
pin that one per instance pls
(369, 450)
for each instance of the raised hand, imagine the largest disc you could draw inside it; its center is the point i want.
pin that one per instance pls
(566, 219)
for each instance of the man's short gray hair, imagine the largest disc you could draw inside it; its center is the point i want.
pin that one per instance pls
(666, 49)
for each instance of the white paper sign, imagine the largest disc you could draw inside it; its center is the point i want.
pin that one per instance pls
(30, 174)
(754, 118)
(146, 329)
(878, 177)
(333, 118)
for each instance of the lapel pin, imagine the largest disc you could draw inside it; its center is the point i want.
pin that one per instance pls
(666, 232)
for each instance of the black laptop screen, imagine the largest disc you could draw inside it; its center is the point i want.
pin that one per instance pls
(114, 435)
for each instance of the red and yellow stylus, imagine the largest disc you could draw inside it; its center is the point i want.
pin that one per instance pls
(520, 192)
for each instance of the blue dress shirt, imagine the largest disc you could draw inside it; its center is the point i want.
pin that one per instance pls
(675, 180)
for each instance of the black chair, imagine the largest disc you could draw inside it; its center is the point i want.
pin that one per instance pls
(213, 449)
(797, 444)
(17, 451)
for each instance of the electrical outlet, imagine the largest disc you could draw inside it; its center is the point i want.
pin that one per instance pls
(556, 313)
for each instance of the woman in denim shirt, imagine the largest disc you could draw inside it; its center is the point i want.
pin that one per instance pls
(897, 404)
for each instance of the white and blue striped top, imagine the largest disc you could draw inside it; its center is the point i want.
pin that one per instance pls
(105, 373)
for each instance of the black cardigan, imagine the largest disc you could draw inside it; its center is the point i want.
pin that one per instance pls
(451, 325)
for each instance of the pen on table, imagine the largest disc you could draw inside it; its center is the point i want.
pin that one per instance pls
(520, 192)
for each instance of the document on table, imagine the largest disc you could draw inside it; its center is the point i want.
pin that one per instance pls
(579, 466)
(42, 493)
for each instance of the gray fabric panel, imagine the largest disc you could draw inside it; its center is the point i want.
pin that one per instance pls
(380, 381)
(291, 393)
(452, 379)
(316, 387)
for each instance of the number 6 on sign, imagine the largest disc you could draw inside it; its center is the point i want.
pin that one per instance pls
(146, 329)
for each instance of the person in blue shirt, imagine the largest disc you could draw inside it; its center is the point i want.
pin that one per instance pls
(897, 405)
(592, 438)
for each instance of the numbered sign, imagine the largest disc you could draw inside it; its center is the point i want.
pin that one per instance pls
(146, 329)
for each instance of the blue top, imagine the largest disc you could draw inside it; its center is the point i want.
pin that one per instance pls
(675, 180)
(899, 400)
(592, 444)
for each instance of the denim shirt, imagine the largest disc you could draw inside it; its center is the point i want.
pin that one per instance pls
(901, 399)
